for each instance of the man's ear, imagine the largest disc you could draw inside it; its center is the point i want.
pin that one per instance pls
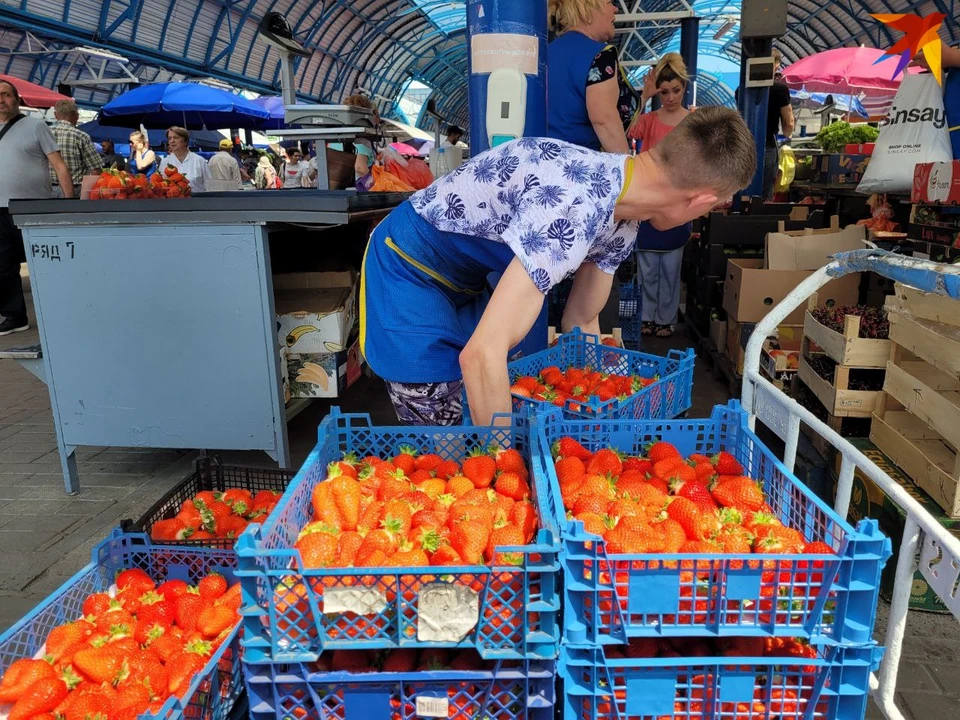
(702, 202)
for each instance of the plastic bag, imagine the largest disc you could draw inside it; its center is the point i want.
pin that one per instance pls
(384, 181)
(413, 171)
(915, 131)
(788, 169)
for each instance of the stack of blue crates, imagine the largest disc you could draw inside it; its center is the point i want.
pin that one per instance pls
(628, 619)
(291, 629)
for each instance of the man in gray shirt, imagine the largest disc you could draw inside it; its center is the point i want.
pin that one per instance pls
(27, 152)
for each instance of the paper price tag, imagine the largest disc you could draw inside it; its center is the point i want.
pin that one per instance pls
(431, 707)
(362, 601)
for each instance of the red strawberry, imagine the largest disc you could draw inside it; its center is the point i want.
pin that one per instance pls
(214, 619)
(95, 605)
(100, 664)
(605, 462)
(21, 675)
(400, 661)
(726, 464)
(511, 460)
(172, 589)
(567, 447)
(187, 609)
(742, 493)
(350, 661)
(184, 665)
(170, 530)
(41, 697)
(212, 586)
(660, 450)
(155, 609)
(136, 579)
(513, 486)
(63, 637)
(469, 538)
(479, 468)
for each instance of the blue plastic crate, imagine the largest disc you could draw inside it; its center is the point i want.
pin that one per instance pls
(214, 690)
(609, 598)
(833, 686)
(631, 313)
(285, 618)
(518, 690)
(669, 397)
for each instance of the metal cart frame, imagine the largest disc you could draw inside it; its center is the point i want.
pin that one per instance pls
(939, 552)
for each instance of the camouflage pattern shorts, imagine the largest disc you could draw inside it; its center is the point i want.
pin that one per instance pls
(427, 403)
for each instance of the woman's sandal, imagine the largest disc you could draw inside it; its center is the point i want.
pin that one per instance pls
(647, 329)
(664, 331)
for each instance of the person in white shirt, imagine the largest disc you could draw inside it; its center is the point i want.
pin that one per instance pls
(454, 134)
(189, 164)
(224, 169)
(294, 171)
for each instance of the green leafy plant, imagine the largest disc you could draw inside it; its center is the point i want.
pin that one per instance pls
(834, 137)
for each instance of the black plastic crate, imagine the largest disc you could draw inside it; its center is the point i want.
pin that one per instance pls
(209, 475)
(752, 229)
(708, 291)
(713, 258)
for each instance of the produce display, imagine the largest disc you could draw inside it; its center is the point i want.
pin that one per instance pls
(556, 386)
(121, 185)
(210, 514)
(873, 320)
(665, 503)
(131, 650)
(792, 357)
(420, 510)
(401, 661)
(836, 136)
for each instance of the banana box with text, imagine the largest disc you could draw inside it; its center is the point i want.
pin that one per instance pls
(316, 311)
(936, 182)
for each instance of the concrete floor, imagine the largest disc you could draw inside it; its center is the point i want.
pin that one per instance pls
(45, 536)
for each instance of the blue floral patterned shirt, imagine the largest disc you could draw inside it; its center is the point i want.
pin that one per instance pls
(551, 202)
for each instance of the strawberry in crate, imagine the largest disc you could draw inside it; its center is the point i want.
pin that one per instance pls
(578, 384)
(419, 510)
(132, 649)
(210, 514)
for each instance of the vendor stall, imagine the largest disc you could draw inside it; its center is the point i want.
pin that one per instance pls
(157, 318)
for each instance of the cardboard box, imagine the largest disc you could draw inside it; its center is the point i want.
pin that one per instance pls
(750, 291)
(936, 182)
(324, 375)
(869, 501)
(788, 337)
(861, 149)
(811, 249)
(718, 333)
(316, 311)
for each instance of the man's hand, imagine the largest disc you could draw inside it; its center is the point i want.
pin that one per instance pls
(591, 290)
(63, 174)
(511, 313)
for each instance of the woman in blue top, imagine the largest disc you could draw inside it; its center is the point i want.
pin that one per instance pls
(537, 211)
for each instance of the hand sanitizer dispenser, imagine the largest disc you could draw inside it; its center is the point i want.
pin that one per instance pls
(506, 106)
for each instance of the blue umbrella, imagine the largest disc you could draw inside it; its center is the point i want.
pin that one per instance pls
(189, 105)
(844, 103)
(274, 105)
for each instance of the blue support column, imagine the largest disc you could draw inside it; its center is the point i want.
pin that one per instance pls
(520, 27)
(753, 106)
(689, 47)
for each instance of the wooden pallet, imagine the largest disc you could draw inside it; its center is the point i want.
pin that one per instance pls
(837, 397)
(846, 348)
(917, 423)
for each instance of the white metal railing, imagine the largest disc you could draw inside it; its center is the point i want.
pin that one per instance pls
(939, 551)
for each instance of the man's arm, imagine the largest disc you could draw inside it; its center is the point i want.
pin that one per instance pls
(786, 120)
(512, 311)
(63, 174)
(602, 101)
(92, 162)
(590, 292)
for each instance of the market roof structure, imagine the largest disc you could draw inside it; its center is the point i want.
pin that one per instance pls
(374, 45)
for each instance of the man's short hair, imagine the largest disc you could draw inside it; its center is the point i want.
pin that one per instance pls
(454, 130)
(711, 148)
(16, 93)
(65, 109)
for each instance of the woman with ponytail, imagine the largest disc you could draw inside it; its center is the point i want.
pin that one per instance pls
(659, 253)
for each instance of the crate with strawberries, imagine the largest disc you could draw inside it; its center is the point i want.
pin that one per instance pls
(697, 679)
(694, 528)
(401, 537)
(589, 378)
(403, 684)
(121, 185)
(143, 631)
(213, 505)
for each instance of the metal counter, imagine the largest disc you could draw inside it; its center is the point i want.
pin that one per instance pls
(157, 320)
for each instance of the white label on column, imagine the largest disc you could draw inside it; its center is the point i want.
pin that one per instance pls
(431, 707)
(447, 613)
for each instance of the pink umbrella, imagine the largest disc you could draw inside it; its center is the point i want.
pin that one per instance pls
(405, 149)
(846, 69)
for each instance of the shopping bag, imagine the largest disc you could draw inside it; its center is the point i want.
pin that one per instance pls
(915, 131)
(951, 101)
(788, 169)
(384, 181)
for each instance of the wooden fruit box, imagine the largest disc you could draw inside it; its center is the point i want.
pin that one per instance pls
(846, 348)
(837, 397)
(927, 306)
(936, 343)
(776, 362)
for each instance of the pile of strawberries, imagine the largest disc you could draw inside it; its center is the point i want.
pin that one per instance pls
(420, 510)
(216, 515)
(127, 654)
(406, 660)
(121, 185)
(665, 503)
(554, 386)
